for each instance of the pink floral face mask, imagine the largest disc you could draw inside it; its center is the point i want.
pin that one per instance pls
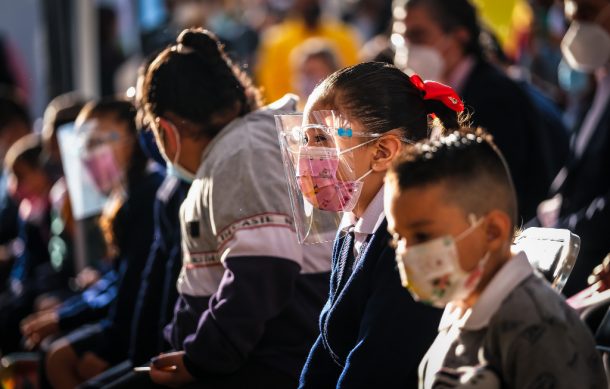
(318, 181)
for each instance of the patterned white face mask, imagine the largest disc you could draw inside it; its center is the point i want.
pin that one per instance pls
(432, 273)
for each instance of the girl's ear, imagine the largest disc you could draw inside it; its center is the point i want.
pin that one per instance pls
(385, 150)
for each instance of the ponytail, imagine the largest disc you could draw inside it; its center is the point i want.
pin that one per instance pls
(196, 80)
(383, 98)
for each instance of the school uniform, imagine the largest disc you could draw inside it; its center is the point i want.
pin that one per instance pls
(157, 295)
(249, 293)
(372, 333)
(519, 334)
(109, 339)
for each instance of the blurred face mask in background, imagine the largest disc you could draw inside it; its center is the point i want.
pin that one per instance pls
(586, 45)
(102, 165)
(425, 60)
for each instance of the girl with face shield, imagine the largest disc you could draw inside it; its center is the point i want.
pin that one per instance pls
(119, 169)
(354, 125)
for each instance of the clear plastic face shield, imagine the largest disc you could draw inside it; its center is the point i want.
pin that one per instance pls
(320, 162)
(85, 197)
(99, 149)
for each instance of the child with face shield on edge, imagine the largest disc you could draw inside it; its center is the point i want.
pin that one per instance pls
(120, 170)
(249, 294)
(372, 333)
(452, 210)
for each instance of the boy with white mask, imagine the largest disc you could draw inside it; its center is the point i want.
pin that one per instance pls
(581, 191)
(503, 325)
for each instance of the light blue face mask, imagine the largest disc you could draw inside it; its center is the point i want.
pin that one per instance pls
(179, 172)
(572, 81)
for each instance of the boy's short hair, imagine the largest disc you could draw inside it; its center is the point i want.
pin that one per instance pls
(27, 150)
(468, 163)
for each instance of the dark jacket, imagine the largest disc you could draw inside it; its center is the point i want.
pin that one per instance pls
(134, 227)
(158, 293)
(372, 333)
(504, 109)
(585, 209)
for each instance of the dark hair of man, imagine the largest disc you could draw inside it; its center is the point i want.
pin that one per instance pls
(454, 14)
(196, 80)
(467, 163)
(382, 98)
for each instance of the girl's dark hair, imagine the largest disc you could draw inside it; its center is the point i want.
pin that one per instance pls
(382, 98)
(122, 111)
(453, 14)
(195, 79)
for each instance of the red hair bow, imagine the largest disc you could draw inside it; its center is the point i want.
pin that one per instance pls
(433, 90)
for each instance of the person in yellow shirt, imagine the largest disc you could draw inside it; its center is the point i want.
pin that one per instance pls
(273, 70)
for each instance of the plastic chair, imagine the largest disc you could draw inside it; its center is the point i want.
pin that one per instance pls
(551, 251)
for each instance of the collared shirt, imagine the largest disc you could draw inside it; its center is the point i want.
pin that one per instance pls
(520, 333)
(508, 277)
(460, 74)
(367, 224)
(594, 115)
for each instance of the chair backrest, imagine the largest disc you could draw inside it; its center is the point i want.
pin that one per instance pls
(551, 251)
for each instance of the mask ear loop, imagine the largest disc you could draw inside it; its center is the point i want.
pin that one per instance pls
(358, 146)
(474, 223)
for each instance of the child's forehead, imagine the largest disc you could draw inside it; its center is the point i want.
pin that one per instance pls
(430, 201)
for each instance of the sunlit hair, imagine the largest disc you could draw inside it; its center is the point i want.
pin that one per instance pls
(382, 98)
(196, 80)
(467, 163)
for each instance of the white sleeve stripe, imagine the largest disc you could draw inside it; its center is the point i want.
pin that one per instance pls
(278, 242)
(260, 220)
(222, 247)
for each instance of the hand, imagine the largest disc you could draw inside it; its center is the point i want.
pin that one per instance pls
(35, 328)
(90, 365)
(160, 373)
(87, 277)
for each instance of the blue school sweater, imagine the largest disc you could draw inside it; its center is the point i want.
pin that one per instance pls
(158, 294)
(372, 333)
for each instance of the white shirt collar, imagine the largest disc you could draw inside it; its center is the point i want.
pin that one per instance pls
(370, 220)
(502, 284)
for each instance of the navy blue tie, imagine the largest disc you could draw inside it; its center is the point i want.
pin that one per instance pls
(346, 260)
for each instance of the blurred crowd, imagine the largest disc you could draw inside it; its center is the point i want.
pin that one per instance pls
(125, 219)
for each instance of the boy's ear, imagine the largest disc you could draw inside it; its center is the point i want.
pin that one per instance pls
(498, 230)
(386, 150)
